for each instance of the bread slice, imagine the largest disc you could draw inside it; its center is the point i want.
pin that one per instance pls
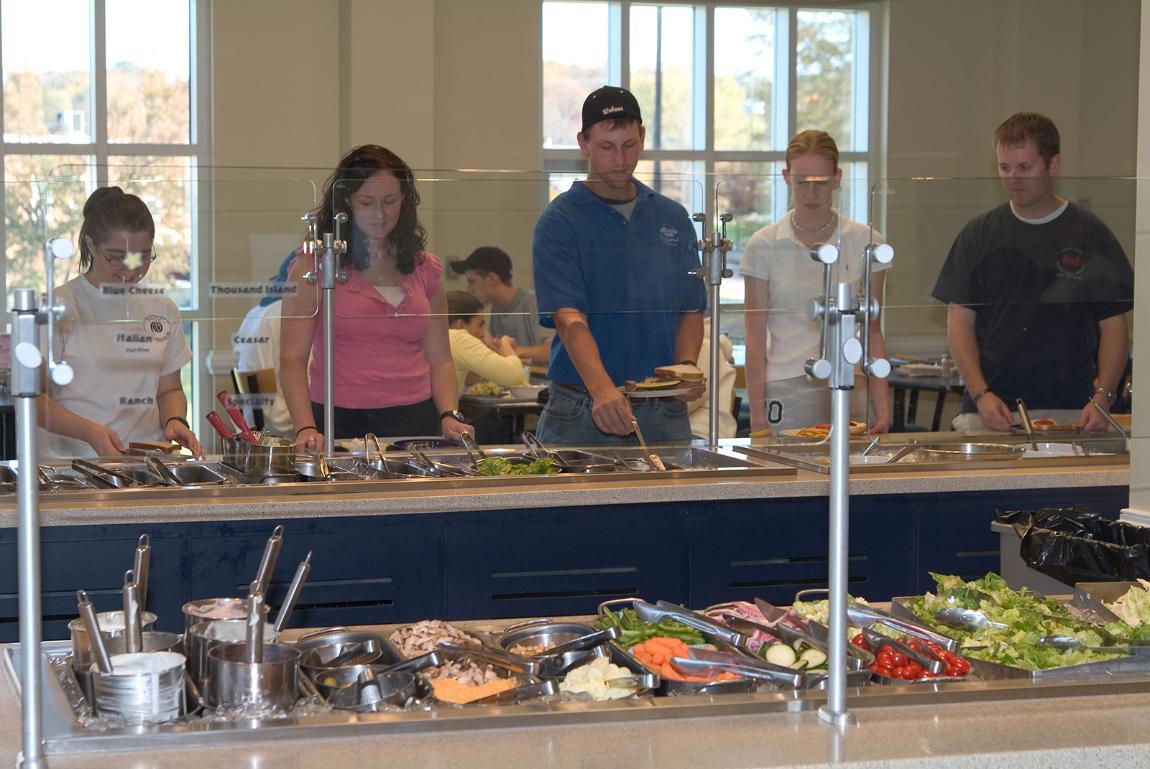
(686, 372)
(657, 383)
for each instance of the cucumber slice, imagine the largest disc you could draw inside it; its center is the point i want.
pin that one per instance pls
(780, 654)
(798, 645)
(814, 658)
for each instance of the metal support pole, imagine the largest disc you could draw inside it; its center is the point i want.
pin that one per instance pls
(713, 271)
(327, 273)
(839, 352)
(25, 386)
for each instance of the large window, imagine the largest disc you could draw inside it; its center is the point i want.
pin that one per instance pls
(109, 91)
(723, 87)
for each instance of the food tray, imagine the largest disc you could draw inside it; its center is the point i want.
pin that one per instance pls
(995, 671)
(669, 687)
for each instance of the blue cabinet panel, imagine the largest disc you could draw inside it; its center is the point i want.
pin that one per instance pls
(773, 548)
(556, 562)
(93, 558)
(367, 574)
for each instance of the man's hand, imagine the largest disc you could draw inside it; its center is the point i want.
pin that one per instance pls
(698, 389)
(104, 441)
(611, 412)
(1091, 419)
(881, 419)
(995, 414)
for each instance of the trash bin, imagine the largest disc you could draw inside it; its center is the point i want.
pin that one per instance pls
(1074, 544)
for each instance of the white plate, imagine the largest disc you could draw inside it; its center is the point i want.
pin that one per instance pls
(668, 393)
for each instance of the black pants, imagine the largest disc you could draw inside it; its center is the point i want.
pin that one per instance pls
(413, 419)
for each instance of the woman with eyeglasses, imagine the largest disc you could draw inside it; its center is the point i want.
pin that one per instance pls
(780, 278)
(394, 375)
(123, 338)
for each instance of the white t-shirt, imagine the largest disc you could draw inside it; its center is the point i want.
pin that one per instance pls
(257, 346)
(774, 254)
(120, 345)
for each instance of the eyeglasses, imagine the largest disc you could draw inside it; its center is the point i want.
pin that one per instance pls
(130, 260)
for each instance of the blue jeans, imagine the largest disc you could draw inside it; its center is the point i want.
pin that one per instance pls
(566, 420)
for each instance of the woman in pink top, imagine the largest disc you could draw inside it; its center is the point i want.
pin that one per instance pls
(393, 369)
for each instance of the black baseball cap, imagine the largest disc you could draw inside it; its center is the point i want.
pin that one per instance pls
(607, 103)
(489, 258)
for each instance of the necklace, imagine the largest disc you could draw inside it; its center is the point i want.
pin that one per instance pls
(826, 226)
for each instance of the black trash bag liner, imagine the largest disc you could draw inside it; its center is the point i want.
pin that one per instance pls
(1074, 544)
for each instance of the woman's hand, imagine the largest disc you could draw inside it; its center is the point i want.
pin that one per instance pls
(177, 431)
(453, 428)
(309, 440)
(104, 441)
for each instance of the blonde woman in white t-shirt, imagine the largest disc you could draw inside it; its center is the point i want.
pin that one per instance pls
(780, 279)
(124, 339)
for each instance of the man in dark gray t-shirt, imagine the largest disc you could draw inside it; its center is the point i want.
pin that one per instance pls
(513, 310)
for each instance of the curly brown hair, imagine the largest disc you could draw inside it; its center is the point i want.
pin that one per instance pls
(408, 238)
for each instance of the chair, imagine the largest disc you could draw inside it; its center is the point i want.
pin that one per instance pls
(259, 382)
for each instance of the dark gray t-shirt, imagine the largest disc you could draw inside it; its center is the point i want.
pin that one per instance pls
(519, 320)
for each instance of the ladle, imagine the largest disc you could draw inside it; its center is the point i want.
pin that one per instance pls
(268, 561)
(141, 565)
(293, 593)
(133, 632)
(95, 640)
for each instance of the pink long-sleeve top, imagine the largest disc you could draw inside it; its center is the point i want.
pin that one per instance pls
(379, 360)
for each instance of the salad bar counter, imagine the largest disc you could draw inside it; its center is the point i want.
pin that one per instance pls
(636, 660)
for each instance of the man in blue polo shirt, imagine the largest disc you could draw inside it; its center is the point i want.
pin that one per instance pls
(613, 264)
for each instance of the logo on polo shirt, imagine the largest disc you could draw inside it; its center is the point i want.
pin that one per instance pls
(1071, 263)
(159, 326)
(669, 235)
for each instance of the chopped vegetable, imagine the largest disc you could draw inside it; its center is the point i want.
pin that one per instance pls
(780, 654)
(657, 652)
(636, 630)
(1027, 618)
(504, 466)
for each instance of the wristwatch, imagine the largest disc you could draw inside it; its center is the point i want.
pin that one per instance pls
(458, 417)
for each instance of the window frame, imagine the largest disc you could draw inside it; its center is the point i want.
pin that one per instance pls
(569, 160)
(197, 149)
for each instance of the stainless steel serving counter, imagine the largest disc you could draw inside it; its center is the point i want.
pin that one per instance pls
(767, 476)
(1000, 724)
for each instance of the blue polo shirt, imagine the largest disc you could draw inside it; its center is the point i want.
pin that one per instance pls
(632, 279)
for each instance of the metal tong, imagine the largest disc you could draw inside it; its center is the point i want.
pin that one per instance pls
(486, 655)
(437, 468)
(293, 593)
(268, 561)
(95, 640)
(100, 474)
(472, 447)
(707, 662)
(237, 417)
(929, 661)
(370, 440)
(1027, 425)
(864, 616)
(970, 620)
(667, 610)
(652, 457)
(580, 643)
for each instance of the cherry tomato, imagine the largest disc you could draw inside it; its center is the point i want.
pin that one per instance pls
(898, 659)
(914, 670)
(860, 642)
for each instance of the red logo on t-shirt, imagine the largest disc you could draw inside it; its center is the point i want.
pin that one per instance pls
(1071, 261)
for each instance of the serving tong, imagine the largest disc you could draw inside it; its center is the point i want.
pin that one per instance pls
(708, 662)
(930, 661)
(652, 457)
(1027, 425)
(438, 469)
(779, 625)
(863, 616)
(970, 620)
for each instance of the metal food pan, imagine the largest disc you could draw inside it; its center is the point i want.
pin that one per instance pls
(995, 671)
(669, 687)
